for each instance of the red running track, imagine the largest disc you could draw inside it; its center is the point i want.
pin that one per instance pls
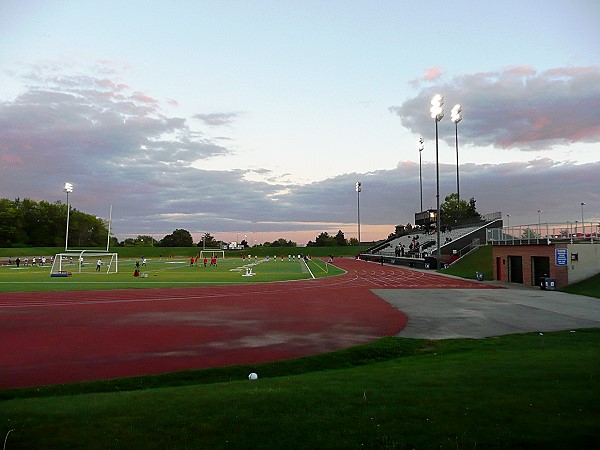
(62, 337)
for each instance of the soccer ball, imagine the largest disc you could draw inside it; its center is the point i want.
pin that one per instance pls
(253, 376)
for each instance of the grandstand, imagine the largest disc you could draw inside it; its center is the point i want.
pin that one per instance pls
(418, 247)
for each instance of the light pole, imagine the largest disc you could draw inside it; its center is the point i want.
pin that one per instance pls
(582, 222)
(420, 147)
(539, 224)
(68, 188)
(358, 189)
(508, 221)
(437, 113)
(456, 116)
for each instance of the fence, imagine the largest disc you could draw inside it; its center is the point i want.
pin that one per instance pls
(544, 233)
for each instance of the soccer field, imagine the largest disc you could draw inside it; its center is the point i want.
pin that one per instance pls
(162, 272)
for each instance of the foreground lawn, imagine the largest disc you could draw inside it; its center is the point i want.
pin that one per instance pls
(520, 391)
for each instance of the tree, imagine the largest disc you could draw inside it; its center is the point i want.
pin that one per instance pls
(340, 240)
(323, 240)
(281, 242)
(208, 241)
(179, 238)
(145, 241)
(29, 223)
(452, 213)
(353, 242)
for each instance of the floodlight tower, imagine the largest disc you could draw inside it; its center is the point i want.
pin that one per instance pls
(358, 189)
(420, 147)
(456, 116)
(437, 113)
(582, 222)
(68, 188)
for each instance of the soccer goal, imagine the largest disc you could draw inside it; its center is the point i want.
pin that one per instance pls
(209, 253)
(84, 261)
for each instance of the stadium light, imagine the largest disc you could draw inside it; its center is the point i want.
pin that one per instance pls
(358, 189)
(539, 224)
(456, 116)
(68, 188)
(582, 222)
(437, 113)
(420, 147)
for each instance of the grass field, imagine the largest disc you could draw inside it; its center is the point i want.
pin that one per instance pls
(520, 391)
(163, 272)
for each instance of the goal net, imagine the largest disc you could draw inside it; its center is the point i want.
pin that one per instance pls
(209, 253)
(84, 261)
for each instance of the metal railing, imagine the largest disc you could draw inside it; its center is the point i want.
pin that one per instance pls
(545, 233)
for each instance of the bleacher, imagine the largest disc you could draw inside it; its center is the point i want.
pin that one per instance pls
(426, 241)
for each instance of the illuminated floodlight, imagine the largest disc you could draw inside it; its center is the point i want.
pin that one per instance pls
(456, 114)
(437, 110)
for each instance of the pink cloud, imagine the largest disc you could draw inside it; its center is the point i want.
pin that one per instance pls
(11, 159)
(516, 107)
(140, 97)
(433, 73)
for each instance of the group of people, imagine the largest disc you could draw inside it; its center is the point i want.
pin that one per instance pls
(41, 261)
(413, 248)
(194, 261)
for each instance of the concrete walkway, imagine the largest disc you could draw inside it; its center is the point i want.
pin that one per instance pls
(477, 313)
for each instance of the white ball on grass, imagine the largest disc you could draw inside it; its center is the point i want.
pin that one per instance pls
(253, 376)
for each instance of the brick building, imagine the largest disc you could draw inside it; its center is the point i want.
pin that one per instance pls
(526, 261)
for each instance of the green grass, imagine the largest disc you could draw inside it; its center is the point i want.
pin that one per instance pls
(479, 260)
(168, 272)
(589, 287)
(519, 391)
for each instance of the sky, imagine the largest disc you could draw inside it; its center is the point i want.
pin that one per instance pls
(254, 120)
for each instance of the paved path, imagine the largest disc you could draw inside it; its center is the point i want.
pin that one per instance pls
(468, 313)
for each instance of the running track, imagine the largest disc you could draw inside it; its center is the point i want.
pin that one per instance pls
(62, 337)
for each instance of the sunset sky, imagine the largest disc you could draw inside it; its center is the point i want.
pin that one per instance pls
(257, 118)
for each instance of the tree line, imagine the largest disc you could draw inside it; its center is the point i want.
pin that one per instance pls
(27, 223)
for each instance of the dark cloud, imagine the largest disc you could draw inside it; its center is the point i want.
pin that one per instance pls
(514, 108)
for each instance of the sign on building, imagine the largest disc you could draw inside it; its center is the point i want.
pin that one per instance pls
(561, 256)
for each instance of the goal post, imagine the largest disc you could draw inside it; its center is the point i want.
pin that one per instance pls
(209, 253)
(85, 261)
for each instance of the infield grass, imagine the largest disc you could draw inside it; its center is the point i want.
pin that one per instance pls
(520, 391)
(162, 272)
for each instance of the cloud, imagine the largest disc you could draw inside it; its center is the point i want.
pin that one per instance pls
(218, 119)
(118, 147)
(431, 74)
(514, 108)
